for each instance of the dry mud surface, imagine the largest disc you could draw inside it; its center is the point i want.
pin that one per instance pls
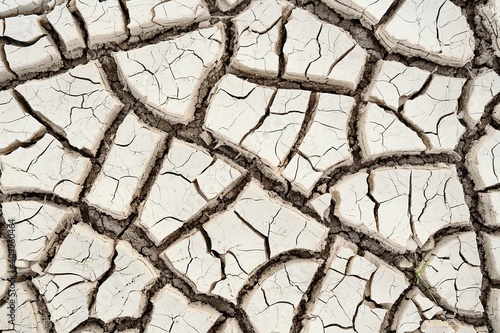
(260, 166)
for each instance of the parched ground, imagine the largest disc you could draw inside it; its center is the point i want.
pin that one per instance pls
(227, 166)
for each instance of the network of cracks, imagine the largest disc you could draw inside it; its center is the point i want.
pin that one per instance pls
(250, 166)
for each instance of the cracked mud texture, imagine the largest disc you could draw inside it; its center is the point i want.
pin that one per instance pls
(241, 166)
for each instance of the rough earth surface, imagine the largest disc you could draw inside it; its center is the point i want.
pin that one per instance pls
(250, 166)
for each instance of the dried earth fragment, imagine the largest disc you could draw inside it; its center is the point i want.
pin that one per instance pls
(434, 112)
(404, 206)
(173, 312)
(489, 205)
(320, 52)
(382, 133)
(68, 30)
(149, 17)
(32, 50)
(356, 292)
(325, 145)
(354, 191)
(321, 204)
(301, 174)
(104, 21)
(480, 91)
(167, 76)
(16, 126)
(417, 313)
(413, 310)
(123, 294)
(272, 303)
(241, 254)
(28, 317)
(258, 30)
(429, 104)
(490, 14)
(23, 7)
(273, 140)
(264, 121)
(435, 200)
(190, 179)
(24, 28)
(36, 226)
(492, 251)
(435, 30)
(126, 167)
(369, 12)
(71, 277)
(67, 297)
(44, 167)
(236, 107)
(220, 258)
(78, 104)
(493, 309)
(284, 227)
(394, 83)
(483, 160)
(452, 272)
(83, 252)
